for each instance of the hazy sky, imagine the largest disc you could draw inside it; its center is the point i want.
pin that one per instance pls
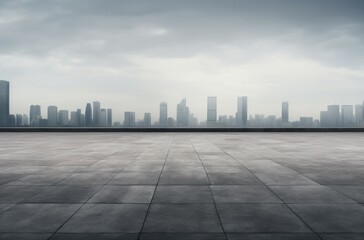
(131, 55)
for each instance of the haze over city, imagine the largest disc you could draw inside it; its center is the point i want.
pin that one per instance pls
(132, 55)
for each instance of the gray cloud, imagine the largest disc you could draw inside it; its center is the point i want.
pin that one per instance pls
(63, 43)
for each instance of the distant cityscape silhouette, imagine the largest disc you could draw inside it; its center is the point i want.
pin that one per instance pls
(347, 116)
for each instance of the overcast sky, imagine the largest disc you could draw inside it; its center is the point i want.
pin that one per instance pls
(131, 55)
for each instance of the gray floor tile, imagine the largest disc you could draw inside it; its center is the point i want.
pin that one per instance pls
(183, 162)
(91, 178)
(5, 206)
(332, 218)
(15, 194)
(184, 168)
(354, 192)
(309, 194)
(335, 178)
(182, 236)
(267, 166)
(255, 218)
(182, 194)
(129, 178)
(144, 168)
(274, 236)
(183, 178)
(36, 218)
(64, 194)
(124, 194)
(6, 177)
(39, 179)
(226, 169)
(338, 236)
(285, 179)
(104, 236)
(107, 218)
(182, 218)
(233, 179)
(24, 236)
(243, 194)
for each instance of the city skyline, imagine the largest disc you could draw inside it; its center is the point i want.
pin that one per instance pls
(141, 53)
(96, 116)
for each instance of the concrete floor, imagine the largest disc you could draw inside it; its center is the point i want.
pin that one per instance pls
(182, 186)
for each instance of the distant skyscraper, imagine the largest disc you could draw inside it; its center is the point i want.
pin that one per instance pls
(96, 113)
(147, 120)
(171, 122)
(109, 117)
(347, 116)
(331, 117)
(52, 116)
(183, 114)
(25, 120)
(334, 115)
(35, 115)
(18, 120)
(211, 111)
(306, 122)
(129, 119)
(11, 120)
(63, 118)
(79, 116)
(102, 118)
(4, 103)
(359, 115)
(82, 120)
(74, 120)
(163, 114)
(242, 113)
(285, 112)
(88, 115)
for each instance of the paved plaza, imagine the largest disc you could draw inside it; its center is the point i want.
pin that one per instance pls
(203, 186)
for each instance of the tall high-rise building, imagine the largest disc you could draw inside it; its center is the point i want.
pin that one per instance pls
(334, 115)
(129, 119)
(82, 120)
(88, 115)
(18, 120)
(183, 114)
(359, 115)
(363, 114)
(4, 103)
(285, 112)
(242, 113)
(109, 117)
(63, 118)
(96, 113)
(347, 116)
(11, 120)
(74, 120)
(35, 115)
(306, 122)
(211, 111)
(331, 117)
(163, 114)
(25, 120)
(52, 116)
(147, 120)
(79, 117)
(102, 118)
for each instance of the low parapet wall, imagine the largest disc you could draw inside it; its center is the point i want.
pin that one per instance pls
(82, 129)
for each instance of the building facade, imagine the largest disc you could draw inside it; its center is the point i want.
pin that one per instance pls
(4, 103)
(242, 113)
(211, 111)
